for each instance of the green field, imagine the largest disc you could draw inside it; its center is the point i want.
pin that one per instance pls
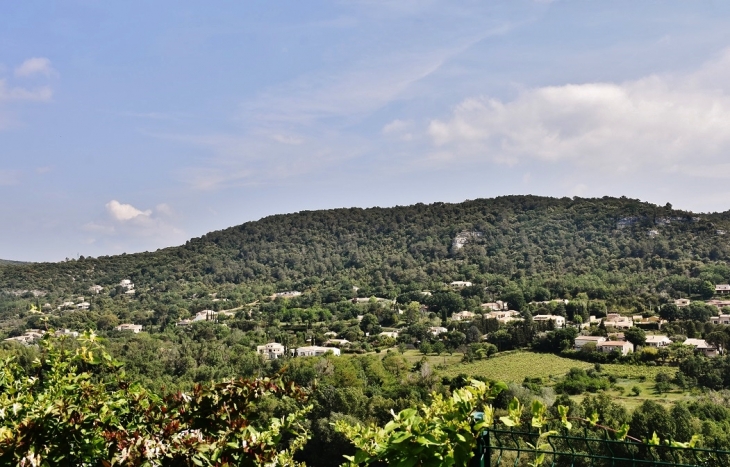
(515, 366)
(637, 371)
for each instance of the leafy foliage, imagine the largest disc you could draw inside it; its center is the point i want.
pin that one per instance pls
(441, 433)
(75, 408)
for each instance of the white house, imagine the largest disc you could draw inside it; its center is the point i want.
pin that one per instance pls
(314, 351)
(205, 315)
(460, 284)
(287, 294)
(83, 305)
(66, 332)
(495, 306)
(184, 322)
(135, 328)
(504, 316)
(658, 341)
(722, 289)
(391, 334)
(436, 330)
(580, 341)
(96, 289)
(28, 337)
(463, 316)
(271, 351)
(557, 319)
(722, 319)
(701, 345)
(617, 321)
(720, 304)
(621, 346)
(682, 302)
(127, 284)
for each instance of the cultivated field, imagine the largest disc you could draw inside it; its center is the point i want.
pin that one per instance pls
(515, 366)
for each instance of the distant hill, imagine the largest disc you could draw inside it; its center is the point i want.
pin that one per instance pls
(7, 261)
(599, 246)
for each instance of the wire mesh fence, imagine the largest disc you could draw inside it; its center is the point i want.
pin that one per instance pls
(512, 447)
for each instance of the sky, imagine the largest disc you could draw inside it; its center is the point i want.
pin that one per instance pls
(132, 126)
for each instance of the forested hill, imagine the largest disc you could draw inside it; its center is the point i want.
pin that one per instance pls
(597, 246)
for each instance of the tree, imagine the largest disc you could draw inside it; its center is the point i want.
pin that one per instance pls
(454, 340)
(636, 336)
(670, 312)
(707, 290)
(717, 338)
(515, 298)
(370, 323)
(473, 335)
(412, 313)
(701, 312)
(651, 417)
(439, 347)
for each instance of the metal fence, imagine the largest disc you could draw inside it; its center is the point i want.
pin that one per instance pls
(508, 447)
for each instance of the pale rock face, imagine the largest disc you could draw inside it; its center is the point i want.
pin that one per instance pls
(463, 237)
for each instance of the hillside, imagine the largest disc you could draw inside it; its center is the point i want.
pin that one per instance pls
(545, 246)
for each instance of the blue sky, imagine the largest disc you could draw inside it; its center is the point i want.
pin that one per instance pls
(131, 126)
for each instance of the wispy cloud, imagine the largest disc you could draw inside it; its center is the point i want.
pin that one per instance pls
(40, 94)
(9, 177)
(35, 66)
(357, 90)
(306, 125)
(13, 93)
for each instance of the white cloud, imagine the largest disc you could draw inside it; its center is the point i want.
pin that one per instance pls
(99, 228)
(657, 122)
(399, 129)
(128, 222)
(43, 93)
(35, 66)
(165, 210)
(125, 212)
(287, 139)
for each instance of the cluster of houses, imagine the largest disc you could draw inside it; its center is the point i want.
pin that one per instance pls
(274, 350)
(30, 336)
(128, 285)
(613, 320)
(205, 315)
(79, 304)
(617, 343)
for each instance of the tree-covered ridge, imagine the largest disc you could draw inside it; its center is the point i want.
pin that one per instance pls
(587, 244)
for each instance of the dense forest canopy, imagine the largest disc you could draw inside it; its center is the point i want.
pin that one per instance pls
(597, 246)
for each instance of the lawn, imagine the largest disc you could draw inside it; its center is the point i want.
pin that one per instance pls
(516, 366)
